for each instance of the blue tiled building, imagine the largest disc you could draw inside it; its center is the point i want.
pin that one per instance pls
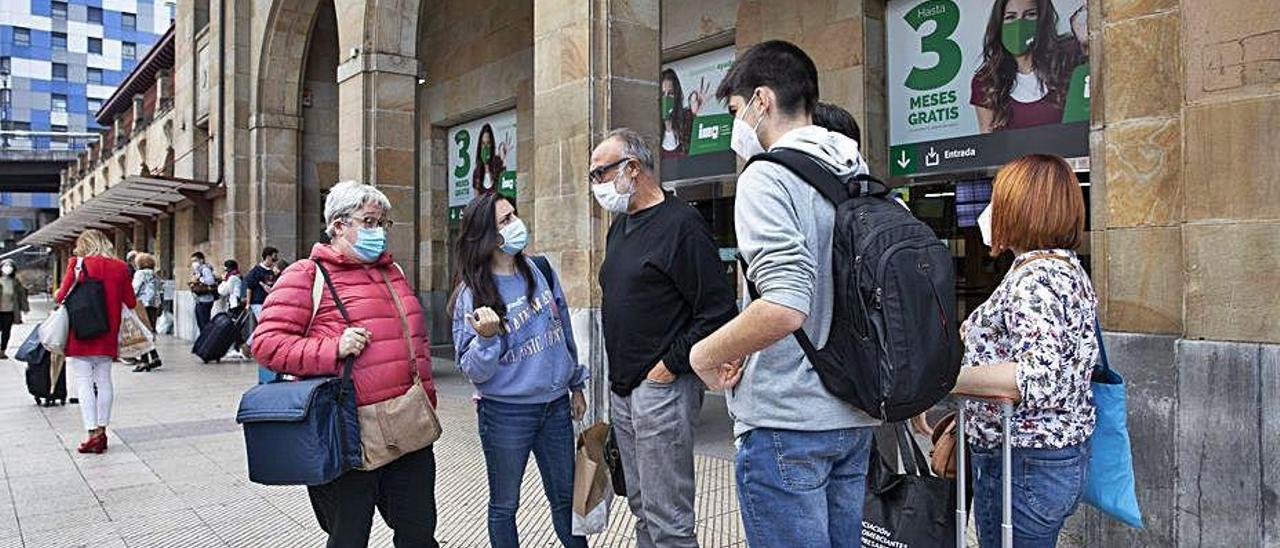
(61, 59)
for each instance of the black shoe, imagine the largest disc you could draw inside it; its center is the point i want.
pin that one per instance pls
(154, 366)
(74, 401)
(141, 369)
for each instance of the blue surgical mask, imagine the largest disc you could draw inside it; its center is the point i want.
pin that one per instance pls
(370, 243)
(514, 237)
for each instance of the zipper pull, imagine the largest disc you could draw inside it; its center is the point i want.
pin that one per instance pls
(875, 301)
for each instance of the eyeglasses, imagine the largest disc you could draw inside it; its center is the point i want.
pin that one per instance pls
(373, 222)
(596, 176)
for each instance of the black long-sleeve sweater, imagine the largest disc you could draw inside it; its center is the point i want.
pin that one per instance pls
(664, 290)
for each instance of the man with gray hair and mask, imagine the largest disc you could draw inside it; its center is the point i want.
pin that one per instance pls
(664, 289)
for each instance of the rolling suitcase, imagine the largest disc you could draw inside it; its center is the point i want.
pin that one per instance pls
(962, 471)
(217, 338)
(39, 384)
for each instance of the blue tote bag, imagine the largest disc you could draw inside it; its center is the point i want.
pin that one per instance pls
(1110, 486)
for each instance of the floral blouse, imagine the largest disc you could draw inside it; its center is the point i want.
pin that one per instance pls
(1041, 318)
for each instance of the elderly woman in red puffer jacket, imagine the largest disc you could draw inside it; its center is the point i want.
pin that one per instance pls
(387, 336)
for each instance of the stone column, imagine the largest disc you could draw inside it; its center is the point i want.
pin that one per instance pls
(595, 68)
(274, 201)
(1186, 213)
(376, 97)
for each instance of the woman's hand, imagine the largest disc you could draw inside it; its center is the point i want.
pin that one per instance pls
(578, 403)
(921, 425)
(353, 341)
(485, 321)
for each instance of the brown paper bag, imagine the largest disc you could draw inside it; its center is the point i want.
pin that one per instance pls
(590, 473)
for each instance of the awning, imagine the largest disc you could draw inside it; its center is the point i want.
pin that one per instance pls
(136, 199)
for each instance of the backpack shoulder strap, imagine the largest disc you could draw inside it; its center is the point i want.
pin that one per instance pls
(809, 170)
(544, 266)
(317, 291)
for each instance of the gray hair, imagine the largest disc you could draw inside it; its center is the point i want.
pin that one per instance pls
(348, 196)
(634, 145)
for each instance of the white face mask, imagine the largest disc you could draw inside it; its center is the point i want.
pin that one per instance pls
(195, 265)
(744, 140)
(608, 197)
(984, 225)
(6, 270)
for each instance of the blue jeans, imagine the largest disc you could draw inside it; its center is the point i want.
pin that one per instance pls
(1047, 487)
(508, 432)
(803, 488)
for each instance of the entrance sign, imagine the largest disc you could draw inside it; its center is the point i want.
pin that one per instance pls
(696, 127)
(482, 158)
(976, 83)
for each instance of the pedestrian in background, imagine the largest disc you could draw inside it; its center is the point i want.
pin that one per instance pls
(149, 289)
(204, 287)
(13, 303)
(386, 335)
(231, 289)
(664, 290)
(1032, 342)
(783, 414)
(514, 342)
(257, 285)
(90, 359)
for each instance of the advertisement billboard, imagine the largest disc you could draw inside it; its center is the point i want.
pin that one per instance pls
(482, 158)
(974, 84)
(696, 127)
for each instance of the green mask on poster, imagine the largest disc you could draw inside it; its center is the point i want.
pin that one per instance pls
(486, 152)
(668, 106)
(1017, 35)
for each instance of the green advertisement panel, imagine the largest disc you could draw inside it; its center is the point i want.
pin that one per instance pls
(975, 83)
(482, 158)
(696, 127)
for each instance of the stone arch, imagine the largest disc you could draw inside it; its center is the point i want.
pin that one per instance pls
(276, 123)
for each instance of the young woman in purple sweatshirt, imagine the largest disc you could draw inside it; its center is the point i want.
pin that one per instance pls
(514, 342)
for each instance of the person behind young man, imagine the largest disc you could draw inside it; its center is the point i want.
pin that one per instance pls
(204, 286)
(260, 278)
(664, 289)
(802, 453)
(836, 118)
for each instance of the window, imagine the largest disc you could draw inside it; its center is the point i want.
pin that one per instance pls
(60, 72)
(128, 50)
(59, 102)
(129, 21)
(6, 97)
(95, 76)
(60, 136)
(95, 15)
(95, 104)
(21, 36)
(59, 10)
(59, 40)
(95, 45)
(5, 65)
(173, 10)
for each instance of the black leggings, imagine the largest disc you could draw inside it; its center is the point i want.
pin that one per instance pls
(6, 327)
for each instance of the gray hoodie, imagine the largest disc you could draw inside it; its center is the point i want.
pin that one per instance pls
(784, 230)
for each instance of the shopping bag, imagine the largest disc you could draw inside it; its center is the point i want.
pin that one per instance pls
(135, 338)
(164, 324)
(1110, 485)
(53, 331)
(592, 490)
(914, 509)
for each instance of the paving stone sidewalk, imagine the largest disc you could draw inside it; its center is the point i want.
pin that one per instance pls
(175, 473)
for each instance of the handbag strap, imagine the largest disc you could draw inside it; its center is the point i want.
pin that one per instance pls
(342, 309)
(1103, 363)
(909, 451)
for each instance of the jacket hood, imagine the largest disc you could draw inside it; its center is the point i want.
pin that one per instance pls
(840, 153)
(331, 256)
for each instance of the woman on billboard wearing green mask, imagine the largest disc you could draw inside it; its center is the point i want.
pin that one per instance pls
(490, 162)
(1026, 67)
(677, 121)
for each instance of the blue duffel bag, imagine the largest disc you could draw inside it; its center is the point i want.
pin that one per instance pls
(303, 432)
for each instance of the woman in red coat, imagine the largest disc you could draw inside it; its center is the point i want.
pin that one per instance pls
(386, 334)
(90, 359)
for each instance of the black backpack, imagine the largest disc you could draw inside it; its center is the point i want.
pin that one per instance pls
(894, 346)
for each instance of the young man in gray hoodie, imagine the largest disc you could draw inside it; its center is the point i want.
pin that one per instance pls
(802, 452)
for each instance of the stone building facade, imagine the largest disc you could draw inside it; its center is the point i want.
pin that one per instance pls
(276, 100)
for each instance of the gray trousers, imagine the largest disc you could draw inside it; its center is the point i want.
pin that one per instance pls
(654, 426)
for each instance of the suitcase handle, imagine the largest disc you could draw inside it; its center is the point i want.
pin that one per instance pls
(1006, 480)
